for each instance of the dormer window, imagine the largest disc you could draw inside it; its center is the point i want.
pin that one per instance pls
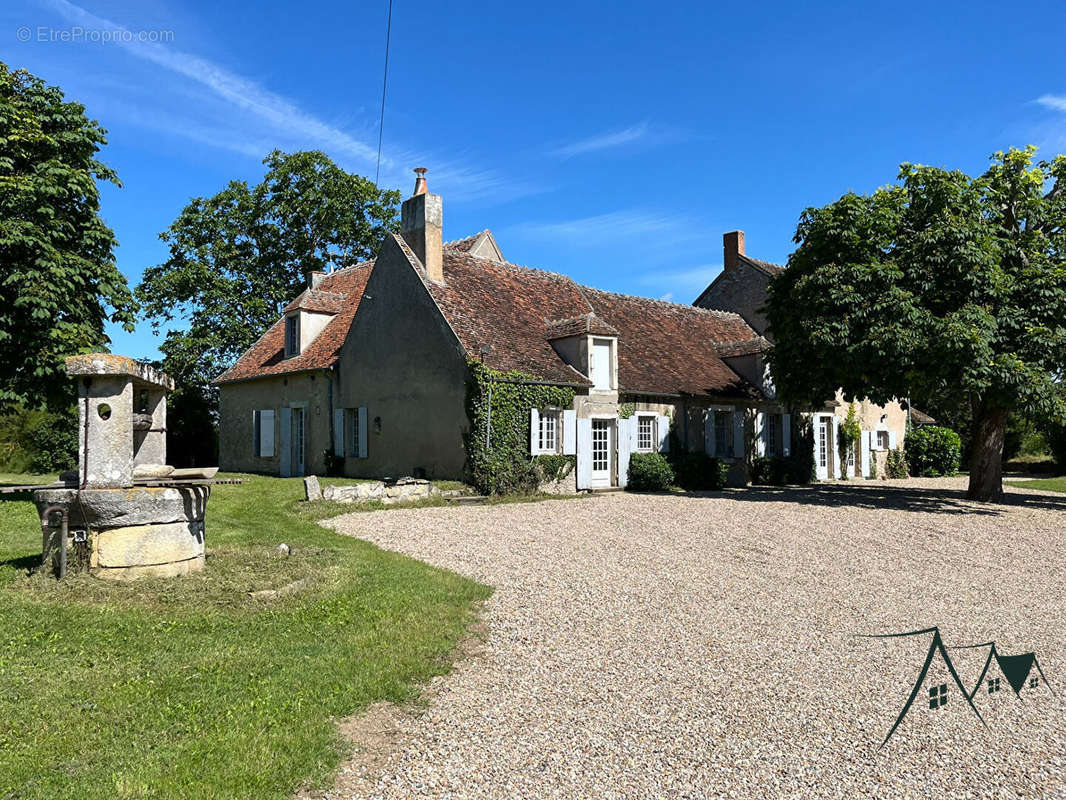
(292, 335)
(601, 364)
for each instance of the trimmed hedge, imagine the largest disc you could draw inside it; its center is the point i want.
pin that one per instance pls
(696, 472)
(932, 451)
(649, 472)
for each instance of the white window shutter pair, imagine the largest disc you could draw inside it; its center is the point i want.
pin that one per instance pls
(584, 453)
(786, 435)
(662, 427)
(738, 434)
(569, 432)
(534, 432)
(263, 427)
(338, 432)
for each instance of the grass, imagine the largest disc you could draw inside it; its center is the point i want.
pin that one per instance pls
(189, 687)
(1048, 484)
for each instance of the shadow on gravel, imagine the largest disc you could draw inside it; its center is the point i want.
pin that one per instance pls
(891, 498)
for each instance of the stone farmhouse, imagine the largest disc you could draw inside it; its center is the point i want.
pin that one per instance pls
(742, 288)
(369, 365)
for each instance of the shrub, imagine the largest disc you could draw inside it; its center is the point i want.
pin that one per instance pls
(932, 451)
(1056, 443)
(769, 471)
(552, 468)
(649, 472)
(896, 464)
(697, 472)
(35, 440)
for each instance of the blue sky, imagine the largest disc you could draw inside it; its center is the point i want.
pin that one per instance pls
(614, 142)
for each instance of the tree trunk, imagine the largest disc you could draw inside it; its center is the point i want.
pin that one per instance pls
(986, 454)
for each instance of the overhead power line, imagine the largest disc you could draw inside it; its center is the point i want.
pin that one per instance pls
(384, 86)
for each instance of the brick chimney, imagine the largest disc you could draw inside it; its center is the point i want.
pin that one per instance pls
(733, 244)
(421, 217)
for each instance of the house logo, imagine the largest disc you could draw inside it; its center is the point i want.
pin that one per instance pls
(1022, 673)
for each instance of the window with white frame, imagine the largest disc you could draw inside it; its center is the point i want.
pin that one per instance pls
(548, 436)
(723, 434)
(645, 434)
(882, 440)
(773, 435)
(292, 335)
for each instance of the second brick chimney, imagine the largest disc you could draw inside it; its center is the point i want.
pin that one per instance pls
(733, 245)
(421, 219)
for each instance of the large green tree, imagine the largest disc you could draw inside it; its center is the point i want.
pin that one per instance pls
(238, 257)
(944, 288)
(58, 279)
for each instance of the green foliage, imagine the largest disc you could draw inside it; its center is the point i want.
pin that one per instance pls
(649, 472)
(850, 433)
(238, 695)
(59, 283)
(896, 464)
(766, 471)
(238, 257)
(932, 451)
(504, 465)
(35, 440)
(334, 463)
(945, 288)
(552, 468)
(1056, 441)
(626, 410)
(698, 472)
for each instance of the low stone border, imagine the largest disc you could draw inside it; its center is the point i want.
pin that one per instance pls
(404, 490)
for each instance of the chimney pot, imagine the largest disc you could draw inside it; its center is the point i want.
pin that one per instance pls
(733, 245)
(420, 181)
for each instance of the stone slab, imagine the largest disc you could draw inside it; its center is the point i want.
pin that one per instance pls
(156, 571)
(149, 545)
(312, 489)
(141, 505)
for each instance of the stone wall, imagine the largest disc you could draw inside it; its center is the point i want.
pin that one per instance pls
(405, 490)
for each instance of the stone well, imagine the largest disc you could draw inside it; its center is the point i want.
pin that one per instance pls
(126, 517)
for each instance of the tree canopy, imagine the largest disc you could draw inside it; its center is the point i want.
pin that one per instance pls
(237, 257)
(943, 287)
(59, 284)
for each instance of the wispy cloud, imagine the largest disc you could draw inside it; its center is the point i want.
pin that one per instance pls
(685, 284)
(1052, 101)
(226, 110)
(603, 141)
(616, 226)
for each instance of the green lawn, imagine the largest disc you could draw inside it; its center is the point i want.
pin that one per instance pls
(1049, 484)
(189, 687)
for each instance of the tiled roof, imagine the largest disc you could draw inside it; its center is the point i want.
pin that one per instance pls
(765, 266)
(746, 348)
(317, 300)
(663, 348)
(267, 356)
(920, 417)
(576, 326)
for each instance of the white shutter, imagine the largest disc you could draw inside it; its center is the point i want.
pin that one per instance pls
(362, 432)
(760, 434)
(338, 432)
(584, 453)
(569, 432)
(626, 444)
(662, 427)
(864, 453)
(786, 435)
(286, 442)
(835, 455)
(266, 433)
(708, 431)
(891, 440)
(738, 435)
(534, 432)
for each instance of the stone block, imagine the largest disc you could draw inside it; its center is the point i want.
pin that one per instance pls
(149, 545)
(356, 493)
(312, 489)
(141, 505)
(155, 571)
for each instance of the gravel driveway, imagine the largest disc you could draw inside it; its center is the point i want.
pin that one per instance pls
(685, 646)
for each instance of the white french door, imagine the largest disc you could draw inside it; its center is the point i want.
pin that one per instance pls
(823, 447)
(602, 451)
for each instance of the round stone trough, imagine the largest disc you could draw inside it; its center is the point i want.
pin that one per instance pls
(135, 532)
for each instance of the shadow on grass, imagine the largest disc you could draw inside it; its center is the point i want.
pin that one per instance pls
(22, 563)
(889, 498)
